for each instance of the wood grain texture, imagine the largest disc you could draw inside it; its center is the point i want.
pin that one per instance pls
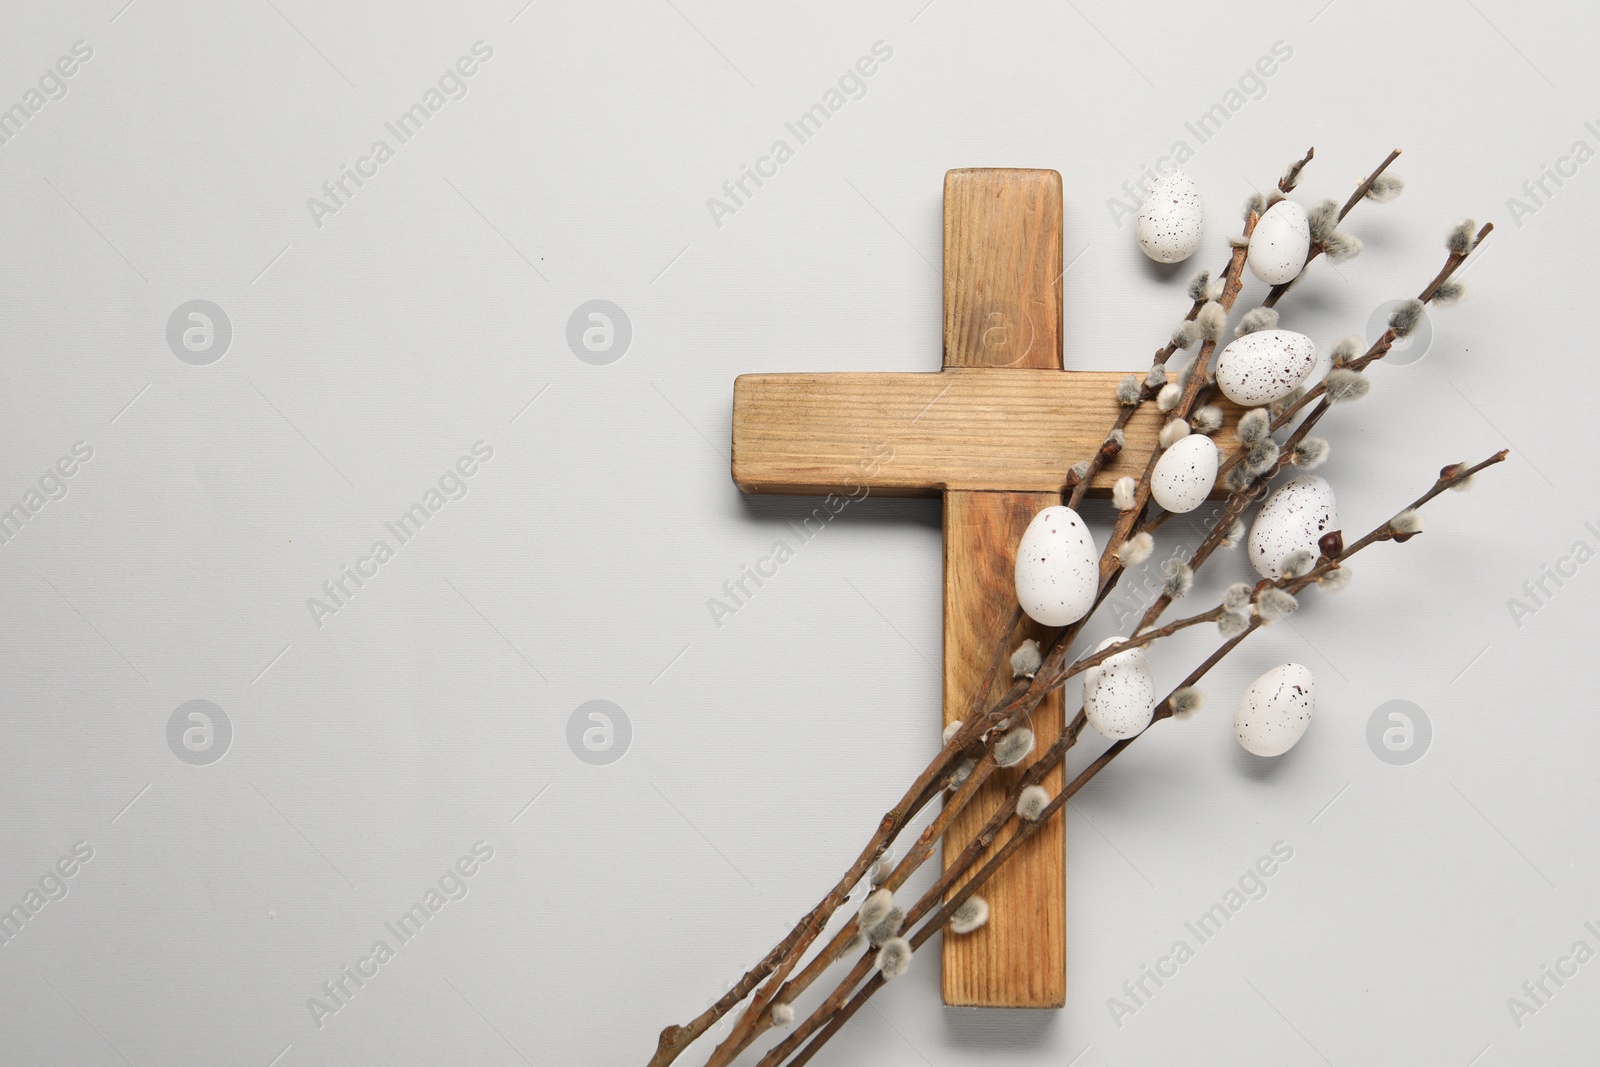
(1002, 268)
(1019, 959)
(1010, 429)
(1002, 348)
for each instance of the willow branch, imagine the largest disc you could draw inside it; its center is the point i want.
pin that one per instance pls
(830, 1016)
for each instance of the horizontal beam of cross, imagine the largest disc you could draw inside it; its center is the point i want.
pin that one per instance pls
(982, 428)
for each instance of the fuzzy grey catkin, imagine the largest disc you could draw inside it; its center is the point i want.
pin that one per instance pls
(1257, 319)
(1449, 293)
(887, 927)
(961, 772)
(1014, 747)
(1335, 581)
(1339, 246)
(1464, 238)
(1212, 320)
(1343, 385)
(1298, 563)
(1236, 480)
(894, 958)
(1199, 285)
(1206, 420)
(1385, 187)
(1262, 457)
(875, 908)
(1322, 218)
(1235, 532)
(1123, 493)
(1129, 391)
(1169, 396)
(1407, 522)
(1253, 426)
(1025, 661)
(1346, 349)
(1273, 604)
(1231, 624)
(1031, 802)
(1136, 549)
(1255, 205)
(1185, 334)
(1310, 453)
(1177, 578)
(1172, 433)
(1405, 319)
(969, 915)
(1156, 377)
(1236, 597)
(1187, 701)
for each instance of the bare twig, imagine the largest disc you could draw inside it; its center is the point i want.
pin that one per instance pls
(832, 1014)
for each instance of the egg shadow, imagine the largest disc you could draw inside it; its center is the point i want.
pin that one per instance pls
(1165, 272)
(1265, 768)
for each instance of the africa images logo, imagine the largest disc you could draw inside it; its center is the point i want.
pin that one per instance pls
(451, 85)
(52, 85)
(453, 885)
(451, 486)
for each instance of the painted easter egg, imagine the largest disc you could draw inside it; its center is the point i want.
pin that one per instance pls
(1119, 695)
(1264, 366)
(1185, 473)
(1276, 710)
(1279, 243)
(1058, 568)
(1171, 219)
(1295, 516)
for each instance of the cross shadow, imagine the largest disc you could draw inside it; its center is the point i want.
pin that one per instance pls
(870, 510)
(992, 1030)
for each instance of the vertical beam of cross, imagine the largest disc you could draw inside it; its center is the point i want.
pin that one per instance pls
(1002, 308)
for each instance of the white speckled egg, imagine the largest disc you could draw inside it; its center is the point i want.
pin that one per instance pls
(1295, 516)
(1264, 366)
(1119, 695)
(1171, 219)
(1276, 710)
(1185, 474)
(1058, 568)
(1279, 243)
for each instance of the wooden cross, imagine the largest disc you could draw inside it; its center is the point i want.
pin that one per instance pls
(995, 432)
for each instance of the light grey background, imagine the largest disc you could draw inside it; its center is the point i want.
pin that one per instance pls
(431, 712)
